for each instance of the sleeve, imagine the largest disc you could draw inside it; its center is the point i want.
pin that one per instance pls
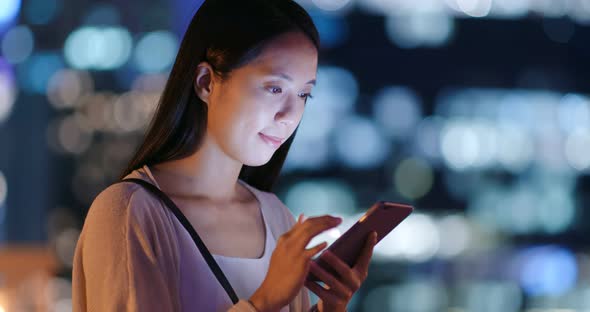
(122, 262)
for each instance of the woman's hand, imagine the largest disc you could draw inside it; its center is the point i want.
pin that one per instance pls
(334, 297)
(290, 263)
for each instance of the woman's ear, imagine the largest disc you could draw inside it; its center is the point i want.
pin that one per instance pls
(204, 80)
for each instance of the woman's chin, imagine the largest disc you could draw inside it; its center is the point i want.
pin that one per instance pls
(257, 160)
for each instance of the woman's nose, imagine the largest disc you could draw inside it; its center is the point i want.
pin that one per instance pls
(289, 112)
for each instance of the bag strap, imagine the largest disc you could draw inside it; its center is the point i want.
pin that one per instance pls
(202, 248)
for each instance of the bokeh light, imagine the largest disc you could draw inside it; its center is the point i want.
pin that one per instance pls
(427, 138)
(97, 48)
(413, 178)
(17, 44)
(316, 198)
(41, 12)
(333, 29)
(103, 14)
(34, 74)
(547, 270)
(8, 11)
(515, 149)
(3, 194)
(397, 110)
(8, 91)
(428, 30)
(334, 98)
(460, 145)
(72, 138)
(475, 8)
(155, 51)
(418, 295)
(67, 86)
(320, 197)
(492, 296)
(577, 146)
(457, 233)
(359, 143)
(132, 111)
(417, 239)
(331, 5)
(573, 112)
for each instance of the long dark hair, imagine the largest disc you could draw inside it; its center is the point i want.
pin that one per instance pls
(227, 34)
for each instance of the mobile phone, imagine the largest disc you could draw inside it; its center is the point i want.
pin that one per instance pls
(382, 217)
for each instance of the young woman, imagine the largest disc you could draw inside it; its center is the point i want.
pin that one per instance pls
(215, 146)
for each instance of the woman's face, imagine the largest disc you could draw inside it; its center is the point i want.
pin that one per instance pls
(263, 99)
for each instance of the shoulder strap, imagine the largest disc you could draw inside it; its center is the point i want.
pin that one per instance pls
(202, 248)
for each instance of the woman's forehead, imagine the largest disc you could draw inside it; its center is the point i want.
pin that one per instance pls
(287, 66)
(287, 49)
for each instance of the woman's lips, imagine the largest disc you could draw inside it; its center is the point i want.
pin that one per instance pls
(272, 141)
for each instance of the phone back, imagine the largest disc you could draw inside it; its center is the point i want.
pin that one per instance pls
(382, 217)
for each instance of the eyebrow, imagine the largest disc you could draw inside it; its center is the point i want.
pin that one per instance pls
(287, 77)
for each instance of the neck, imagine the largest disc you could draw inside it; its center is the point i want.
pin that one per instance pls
(207, 174)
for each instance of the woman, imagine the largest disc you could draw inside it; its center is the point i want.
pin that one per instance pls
(215, 146)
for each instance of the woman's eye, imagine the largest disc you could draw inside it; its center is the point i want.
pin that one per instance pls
(306, 96)
(275, 90)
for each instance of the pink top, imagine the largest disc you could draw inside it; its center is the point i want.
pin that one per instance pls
(134, 255)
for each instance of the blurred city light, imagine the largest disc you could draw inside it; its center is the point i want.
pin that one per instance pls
(515, 148)
(103, 48)
(397, 110)
(17, 44)
(417, 239)
(8, 11)
(415, 30)
(578, 11)
(460, 145)
(41, 12)
(333, 29)
(331, 5)
(418, 295)
(531, 207)
(8, 91)
(457, 235)
(491, 296)
(34, 74)
(359, 143)
(320, 197)
(102, 14)
(426, 140)
(475, 8)
(155, 51)
(66, 87)
(413, 178)
(71, 137)
(334, 99)
(573, 112)
(3, 194)
(577, 146)
(547, 270)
